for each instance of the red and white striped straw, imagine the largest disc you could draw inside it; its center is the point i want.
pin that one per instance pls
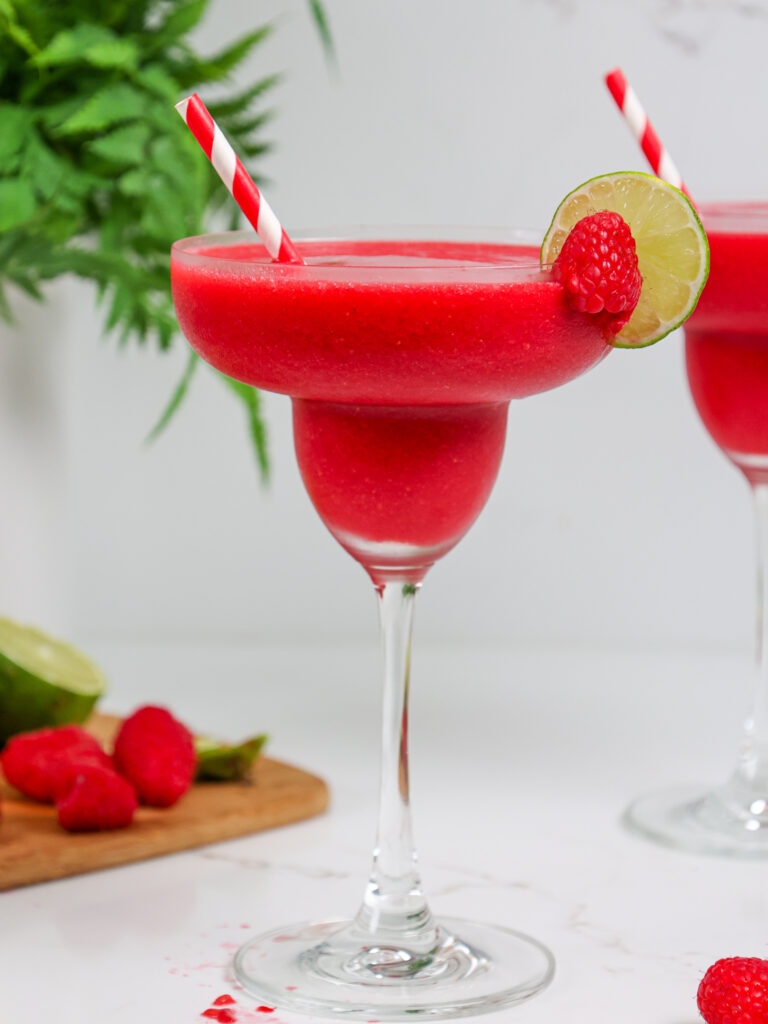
(239, 182)
(630, 106)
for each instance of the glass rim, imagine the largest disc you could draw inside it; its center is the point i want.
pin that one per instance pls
(741, 216)
(192, 249)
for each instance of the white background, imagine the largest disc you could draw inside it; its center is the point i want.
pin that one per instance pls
(615, 521)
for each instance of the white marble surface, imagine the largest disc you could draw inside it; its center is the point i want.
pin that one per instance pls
(521, 766)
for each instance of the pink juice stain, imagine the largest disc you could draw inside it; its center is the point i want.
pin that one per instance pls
(727, 336)
(225, 1010)
(401, 359)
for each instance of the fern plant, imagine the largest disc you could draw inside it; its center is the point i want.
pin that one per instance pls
(98, 174)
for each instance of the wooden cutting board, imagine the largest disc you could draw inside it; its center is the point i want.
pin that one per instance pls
(34, 848)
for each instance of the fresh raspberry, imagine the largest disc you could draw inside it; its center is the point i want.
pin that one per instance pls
(735, 991)
(40, 764)
(97, 799)
(597, 266)
(156, 753)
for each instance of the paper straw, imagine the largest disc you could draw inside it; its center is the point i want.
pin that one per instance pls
(630, 106)
(239, 182)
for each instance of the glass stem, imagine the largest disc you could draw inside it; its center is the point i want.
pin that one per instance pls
(754, 762)
(394, 910)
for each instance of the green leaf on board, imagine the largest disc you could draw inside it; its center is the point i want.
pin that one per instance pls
(224, 762)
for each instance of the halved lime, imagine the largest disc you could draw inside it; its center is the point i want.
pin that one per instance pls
(43, 681)
(672, 247)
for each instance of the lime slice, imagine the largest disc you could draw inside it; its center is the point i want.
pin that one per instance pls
(672, 247)
(43, 681)
(221, 762)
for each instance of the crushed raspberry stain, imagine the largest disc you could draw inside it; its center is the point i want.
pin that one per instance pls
(225, 1000)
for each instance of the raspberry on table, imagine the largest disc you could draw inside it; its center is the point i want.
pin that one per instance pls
(598, 268)
(98, 798)
(40, 764)
(734, 990)
(156, 753)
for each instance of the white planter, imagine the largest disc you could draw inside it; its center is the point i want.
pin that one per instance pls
(33, 472)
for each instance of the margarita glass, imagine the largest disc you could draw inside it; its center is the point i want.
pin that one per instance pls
(401, 356)
(726, 351)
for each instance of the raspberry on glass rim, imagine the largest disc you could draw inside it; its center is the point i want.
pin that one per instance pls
(599, 270)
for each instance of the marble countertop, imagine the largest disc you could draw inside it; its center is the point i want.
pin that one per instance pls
(521, 767)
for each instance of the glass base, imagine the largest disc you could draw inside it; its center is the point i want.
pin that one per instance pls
(722, 821)
(314, 968)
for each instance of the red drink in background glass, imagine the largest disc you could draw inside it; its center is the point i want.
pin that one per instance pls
(726, 352)
(727, 336)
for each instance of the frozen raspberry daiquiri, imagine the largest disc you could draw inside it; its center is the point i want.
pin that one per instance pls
(726, 351)
(401, 357)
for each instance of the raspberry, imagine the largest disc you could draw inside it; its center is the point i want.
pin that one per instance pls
(97, 799)
(597, 266)
(40, 764)
(155, 752)
(735, 991)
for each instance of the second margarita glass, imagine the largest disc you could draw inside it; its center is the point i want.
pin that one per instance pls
(726, 347)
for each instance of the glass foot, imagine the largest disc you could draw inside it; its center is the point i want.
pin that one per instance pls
(315, 968)
(725, 822)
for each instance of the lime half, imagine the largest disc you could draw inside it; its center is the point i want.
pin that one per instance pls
(672, 247)
(43, 681)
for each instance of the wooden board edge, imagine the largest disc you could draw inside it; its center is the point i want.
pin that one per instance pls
(233, 830)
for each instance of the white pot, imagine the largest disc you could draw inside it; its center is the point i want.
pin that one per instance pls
(33, 471)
